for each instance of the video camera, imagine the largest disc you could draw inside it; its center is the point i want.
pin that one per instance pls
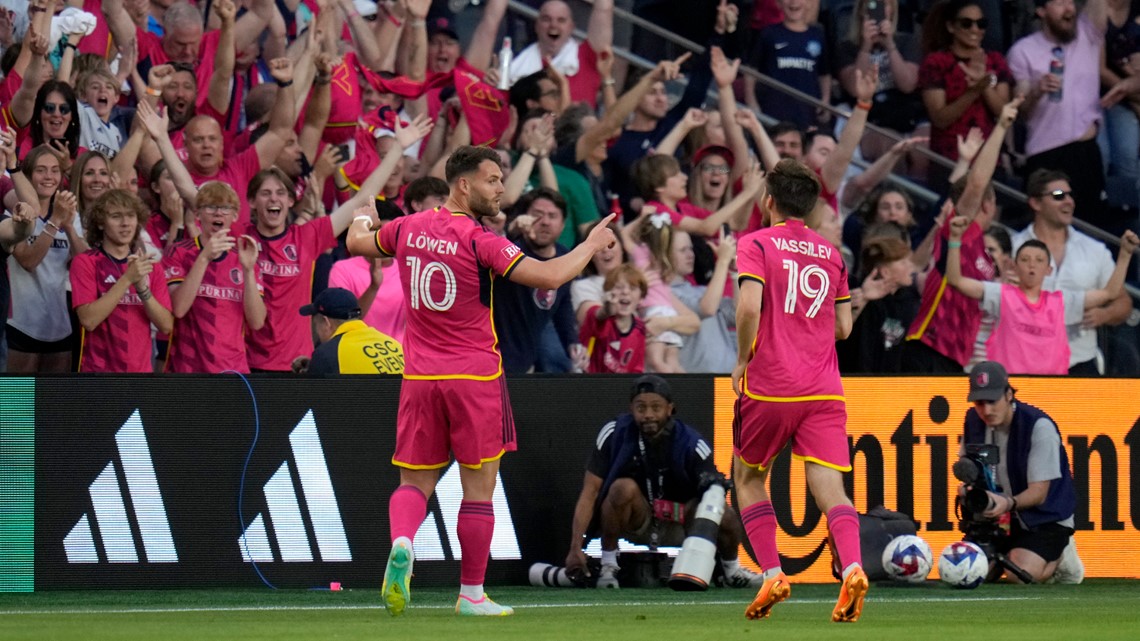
(978, 470)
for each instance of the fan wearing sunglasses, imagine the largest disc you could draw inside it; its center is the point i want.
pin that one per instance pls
(962, 84)
(55, 123)
(1080, 262)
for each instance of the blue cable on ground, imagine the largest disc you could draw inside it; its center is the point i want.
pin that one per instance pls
(244, 469)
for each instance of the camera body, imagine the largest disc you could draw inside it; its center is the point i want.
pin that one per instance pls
(978, 470)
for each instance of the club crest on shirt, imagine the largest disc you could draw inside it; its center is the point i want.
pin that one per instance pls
(235, 276)
(290, 252)
(544, 298)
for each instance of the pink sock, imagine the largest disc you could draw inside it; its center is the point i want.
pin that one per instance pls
(843, 521)
(476, 525)
(760, 524)
(407, 508)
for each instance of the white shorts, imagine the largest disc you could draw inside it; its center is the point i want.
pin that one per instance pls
(668, 338)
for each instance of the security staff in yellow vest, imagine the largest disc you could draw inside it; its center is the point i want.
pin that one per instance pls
(347, 345)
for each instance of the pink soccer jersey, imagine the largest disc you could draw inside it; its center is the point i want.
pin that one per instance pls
(448, 262)
(611, 351)
(804, 278)
(211, 337)
(286, 265)
(121, 343)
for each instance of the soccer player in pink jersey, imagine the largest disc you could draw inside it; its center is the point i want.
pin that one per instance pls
(115, 290)
(288, 252)
(454, 398)
(215, 291)
(791, 307)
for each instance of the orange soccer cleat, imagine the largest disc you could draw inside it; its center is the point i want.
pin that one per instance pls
(773, 591)
(851, 594)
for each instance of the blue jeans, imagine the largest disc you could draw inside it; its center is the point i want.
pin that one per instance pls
(552, 356)
(1119, 141)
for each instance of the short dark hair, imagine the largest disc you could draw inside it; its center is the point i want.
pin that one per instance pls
(999, 234)
(794, 187)
(650, 173)
(541, 193)
(527, 88)
(1033, 242)
(1040, 178)
(425, 187)
(466, 160)
(783, 127)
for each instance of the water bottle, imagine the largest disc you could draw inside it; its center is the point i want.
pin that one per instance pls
(505, 56)
(1057, 68)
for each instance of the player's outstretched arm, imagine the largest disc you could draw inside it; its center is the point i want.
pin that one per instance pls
(1098, 297)
(553, 273)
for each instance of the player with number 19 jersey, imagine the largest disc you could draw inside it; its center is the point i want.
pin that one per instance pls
(447, 261)
(804, 277)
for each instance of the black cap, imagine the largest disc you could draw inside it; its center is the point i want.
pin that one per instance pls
(441, 24)
(988, 382)
(334, 302)
(650, 384)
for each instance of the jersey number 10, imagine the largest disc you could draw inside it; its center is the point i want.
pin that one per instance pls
(811, 281)
(420, 284)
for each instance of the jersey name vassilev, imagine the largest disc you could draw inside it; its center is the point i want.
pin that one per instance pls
(817, 250)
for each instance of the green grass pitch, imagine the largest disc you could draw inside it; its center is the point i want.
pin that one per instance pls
(1099, 609)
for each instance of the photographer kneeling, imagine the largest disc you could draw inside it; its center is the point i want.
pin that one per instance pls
(1033, 467)
(646, 476)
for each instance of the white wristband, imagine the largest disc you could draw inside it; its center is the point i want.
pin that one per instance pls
(367, 219)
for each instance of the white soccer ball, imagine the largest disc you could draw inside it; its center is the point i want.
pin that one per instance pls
(963, 565)
(907, 558)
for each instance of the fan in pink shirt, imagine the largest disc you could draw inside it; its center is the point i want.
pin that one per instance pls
(288, 252)
(215, 291)
(206, 160)
(184, 39)
(116, 292)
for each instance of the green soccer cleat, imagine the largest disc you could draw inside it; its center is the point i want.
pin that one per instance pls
(396, 589)
(484, 607)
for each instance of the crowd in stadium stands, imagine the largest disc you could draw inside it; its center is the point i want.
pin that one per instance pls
(178, 176)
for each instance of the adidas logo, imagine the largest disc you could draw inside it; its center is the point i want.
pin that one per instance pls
(285, 511)
(109, 280)
(111, 518)
(449, 491)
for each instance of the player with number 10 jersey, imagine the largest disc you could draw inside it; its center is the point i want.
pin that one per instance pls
(449, 260)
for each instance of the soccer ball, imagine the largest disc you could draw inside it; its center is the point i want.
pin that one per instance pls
(963, 565)
(907, 558)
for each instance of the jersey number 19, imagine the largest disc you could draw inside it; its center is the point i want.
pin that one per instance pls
(811, 281)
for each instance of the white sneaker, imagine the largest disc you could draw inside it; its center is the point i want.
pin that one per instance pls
(607, 578)
(743, 578)
(1070, 569)
(484, 607)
